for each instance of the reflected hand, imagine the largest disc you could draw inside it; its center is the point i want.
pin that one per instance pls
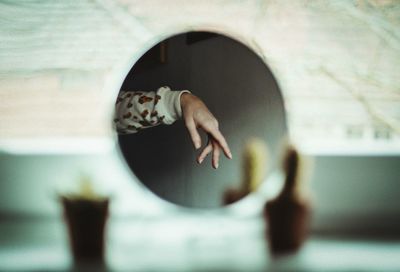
(197, 115)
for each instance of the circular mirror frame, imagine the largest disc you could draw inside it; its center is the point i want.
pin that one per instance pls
(117, 77)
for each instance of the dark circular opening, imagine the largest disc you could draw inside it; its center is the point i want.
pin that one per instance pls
(237, 87)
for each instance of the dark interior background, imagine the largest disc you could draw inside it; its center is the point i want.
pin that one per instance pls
(236, 86)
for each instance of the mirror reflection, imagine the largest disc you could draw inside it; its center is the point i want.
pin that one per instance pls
(189, 113)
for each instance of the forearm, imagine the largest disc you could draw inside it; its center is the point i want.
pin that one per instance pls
(136, 110)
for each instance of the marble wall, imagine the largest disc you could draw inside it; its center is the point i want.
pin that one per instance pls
(62, 62)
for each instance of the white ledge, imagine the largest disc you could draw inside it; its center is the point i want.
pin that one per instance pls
(48, 146)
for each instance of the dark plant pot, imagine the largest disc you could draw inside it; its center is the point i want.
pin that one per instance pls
(86, 222)
(287, 223)
(233, 195)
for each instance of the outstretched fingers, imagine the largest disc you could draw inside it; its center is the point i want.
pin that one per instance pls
(197, 116)
(214, 147)
(217, 135)
(216, 154)
(205, 152)
(194, 134)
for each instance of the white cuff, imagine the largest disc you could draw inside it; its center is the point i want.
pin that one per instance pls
(170, 104)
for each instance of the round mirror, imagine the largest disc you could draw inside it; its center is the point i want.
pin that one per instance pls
(238, 89)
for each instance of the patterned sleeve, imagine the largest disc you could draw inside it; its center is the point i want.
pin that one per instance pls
(139, 110)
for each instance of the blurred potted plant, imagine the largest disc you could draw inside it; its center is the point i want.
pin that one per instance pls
(288, 215)
(254, 165)
(85, 214)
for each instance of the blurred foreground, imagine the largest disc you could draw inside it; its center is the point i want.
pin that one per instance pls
(208, 242)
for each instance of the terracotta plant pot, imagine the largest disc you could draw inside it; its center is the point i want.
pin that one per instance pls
(287, 224)
(86, 221)
(287, 217)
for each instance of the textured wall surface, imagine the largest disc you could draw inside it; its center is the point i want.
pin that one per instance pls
(62, 63)
(336, 62)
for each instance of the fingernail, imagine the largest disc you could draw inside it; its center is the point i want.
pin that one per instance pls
(230, 155)
(197, 145)
(216, 166)
(200, 161)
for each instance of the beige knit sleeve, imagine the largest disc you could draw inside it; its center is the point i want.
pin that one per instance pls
(136, 110)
